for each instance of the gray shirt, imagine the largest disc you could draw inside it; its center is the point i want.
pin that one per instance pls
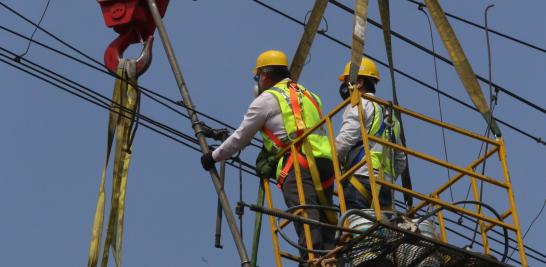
(349, 136)
(264, 110)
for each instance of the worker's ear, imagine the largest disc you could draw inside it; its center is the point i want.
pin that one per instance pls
(360, 83)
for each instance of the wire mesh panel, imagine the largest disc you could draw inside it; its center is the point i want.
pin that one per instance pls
(385, 245)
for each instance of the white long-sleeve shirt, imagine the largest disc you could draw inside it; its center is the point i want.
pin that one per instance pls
(349, 136)
(264, 110)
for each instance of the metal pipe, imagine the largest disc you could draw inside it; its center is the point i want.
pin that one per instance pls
(218, 232)
(230, 218)
(257, 227)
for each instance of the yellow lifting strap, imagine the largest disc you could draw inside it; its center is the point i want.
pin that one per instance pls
(461, 64)
(307, 38)
(331, 216)
(357, 45)
(121, 117)
(365, 193)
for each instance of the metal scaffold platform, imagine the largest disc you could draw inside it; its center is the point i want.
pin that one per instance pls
(387, 245)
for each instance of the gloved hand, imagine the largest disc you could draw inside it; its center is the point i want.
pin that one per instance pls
(266, 164)
(207, 161)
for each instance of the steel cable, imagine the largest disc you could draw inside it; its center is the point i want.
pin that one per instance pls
(534, 138)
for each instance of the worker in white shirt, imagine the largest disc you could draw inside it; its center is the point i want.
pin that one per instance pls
(387, 162)
(282, 111)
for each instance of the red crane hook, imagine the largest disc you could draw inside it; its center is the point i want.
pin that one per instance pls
(114, 52)
(134, 23)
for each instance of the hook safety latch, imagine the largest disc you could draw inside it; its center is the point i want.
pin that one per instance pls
(132, 20)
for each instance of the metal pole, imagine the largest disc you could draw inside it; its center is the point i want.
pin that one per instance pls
(257, 226)
(230, 218)
(218, 234)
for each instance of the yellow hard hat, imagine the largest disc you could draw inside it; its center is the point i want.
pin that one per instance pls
(367, 68)
(270, 58)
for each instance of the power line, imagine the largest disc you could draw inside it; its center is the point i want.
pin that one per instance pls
(35, 29)
(100, 100)
(532, 222)
(143, 124)
(148, 123)
(428, 51)
(439, 101)
(535, 138)
(103, 68)
(147, 92)
(400, 204)
(490, 30)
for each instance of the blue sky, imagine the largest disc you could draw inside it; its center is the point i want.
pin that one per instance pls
(52, 144)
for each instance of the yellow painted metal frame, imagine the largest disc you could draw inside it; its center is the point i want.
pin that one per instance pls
(486, 222)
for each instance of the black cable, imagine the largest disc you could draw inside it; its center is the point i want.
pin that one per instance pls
(103, 69)
(104, 105)
(537, 139)
(479, 203)
(167, 98)
(99, 99)
(492, 104)
(472, 220)
(290, 241)
(401, 205)
(240, 193)
(426, 50)
(483, 28)
(35, 29)
(439, 100)
(531, 225)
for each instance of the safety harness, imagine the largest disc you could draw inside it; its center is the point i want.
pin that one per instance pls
(306, 161)
(361, 153)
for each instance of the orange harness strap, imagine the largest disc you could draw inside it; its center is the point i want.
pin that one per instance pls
(296, 109)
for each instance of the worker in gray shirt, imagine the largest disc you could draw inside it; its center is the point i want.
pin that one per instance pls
(387, 162)
(283, 110)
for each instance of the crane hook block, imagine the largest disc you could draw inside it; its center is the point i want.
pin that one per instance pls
(132, 20)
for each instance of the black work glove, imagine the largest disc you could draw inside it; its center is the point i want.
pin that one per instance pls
(207, 161)
(266, 164)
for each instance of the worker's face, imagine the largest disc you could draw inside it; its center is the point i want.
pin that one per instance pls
(261, 82)
(256, 90)
(344, 89)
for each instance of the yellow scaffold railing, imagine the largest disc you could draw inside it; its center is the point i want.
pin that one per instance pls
(433, 198)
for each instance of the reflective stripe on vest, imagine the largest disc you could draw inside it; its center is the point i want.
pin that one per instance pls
(297, 113)
(381, 155)
(309, 102)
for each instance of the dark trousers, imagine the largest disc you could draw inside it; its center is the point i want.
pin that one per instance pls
(323, 238)
(355, 200)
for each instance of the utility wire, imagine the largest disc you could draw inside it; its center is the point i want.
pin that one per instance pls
(539, 140)
(439, 101)
(35, 29)
(147, 92)
(162, 133)
(103, 68)
(492, 104)
(428, 86)
(490, 30)
(144, 124)
(531, 225)
(428, 51)
(98, 99)
(535, 138)
(401, 205)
